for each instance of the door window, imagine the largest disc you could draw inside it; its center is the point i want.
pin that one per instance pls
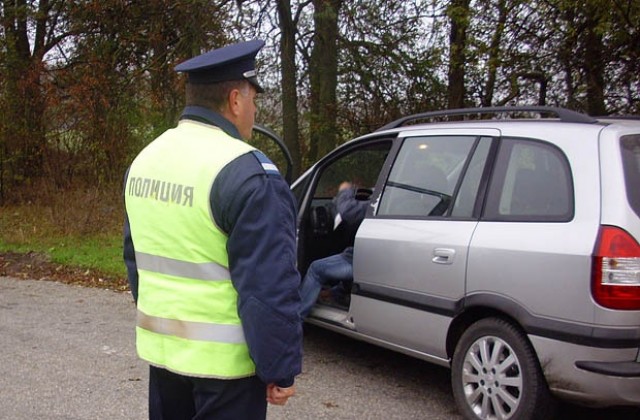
(321, 233)
(425, 175)
(361, 167)
(470, 186)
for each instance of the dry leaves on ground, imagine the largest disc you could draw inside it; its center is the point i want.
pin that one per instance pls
(37, 266)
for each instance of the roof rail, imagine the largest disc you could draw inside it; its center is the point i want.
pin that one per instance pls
(563, 114)
(619, 117)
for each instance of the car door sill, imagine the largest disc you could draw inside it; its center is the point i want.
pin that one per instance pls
(332, 315)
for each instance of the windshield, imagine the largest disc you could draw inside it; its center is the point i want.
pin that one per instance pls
(630, 147)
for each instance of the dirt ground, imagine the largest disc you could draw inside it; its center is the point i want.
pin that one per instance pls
(37, 266)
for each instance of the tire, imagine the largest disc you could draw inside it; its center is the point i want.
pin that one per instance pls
(495, 374)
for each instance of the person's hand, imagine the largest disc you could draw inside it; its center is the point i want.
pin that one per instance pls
(279, 396)
(345, 185)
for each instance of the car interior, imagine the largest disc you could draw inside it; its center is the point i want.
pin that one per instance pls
(318, 235)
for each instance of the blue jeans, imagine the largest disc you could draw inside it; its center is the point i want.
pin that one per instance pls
(329, 271)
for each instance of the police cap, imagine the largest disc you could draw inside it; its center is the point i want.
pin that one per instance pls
(233, 62)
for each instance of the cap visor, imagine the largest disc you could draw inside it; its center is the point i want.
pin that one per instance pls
(254, 82)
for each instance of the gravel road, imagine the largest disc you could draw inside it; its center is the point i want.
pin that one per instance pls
(67, 352)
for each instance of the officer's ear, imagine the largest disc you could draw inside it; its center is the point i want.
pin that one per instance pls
(234, 102)
(231, 108)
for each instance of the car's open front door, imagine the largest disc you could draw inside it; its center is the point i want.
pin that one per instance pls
(275, 149)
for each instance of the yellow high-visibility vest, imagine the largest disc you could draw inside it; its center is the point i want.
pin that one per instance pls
(187, 319)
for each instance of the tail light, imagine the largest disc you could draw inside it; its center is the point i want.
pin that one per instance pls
(616, 269)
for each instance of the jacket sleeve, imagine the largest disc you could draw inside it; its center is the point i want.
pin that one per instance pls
(351, 211)
(256, 209)
(129, 253)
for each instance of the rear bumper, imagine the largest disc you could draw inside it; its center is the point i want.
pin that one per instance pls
(589, 375)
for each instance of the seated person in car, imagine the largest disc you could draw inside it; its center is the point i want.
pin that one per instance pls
(335, 271)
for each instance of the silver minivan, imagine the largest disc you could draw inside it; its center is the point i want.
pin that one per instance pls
(506, 249)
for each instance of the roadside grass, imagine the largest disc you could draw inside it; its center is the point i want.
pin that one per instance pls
(79, 228)
(101, 253)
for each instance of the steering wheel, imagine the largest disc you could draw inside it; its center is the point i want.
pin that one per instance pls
(363, 194)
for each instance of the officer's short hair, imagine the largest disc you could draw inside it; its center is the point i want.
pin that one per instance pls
(213, 95)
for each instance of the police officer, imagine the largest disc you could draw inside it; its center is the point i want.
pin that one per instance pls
(209, 245)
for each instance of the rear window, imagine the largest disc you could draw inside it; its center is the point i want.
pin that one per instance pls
(630, 147)
(531, 183)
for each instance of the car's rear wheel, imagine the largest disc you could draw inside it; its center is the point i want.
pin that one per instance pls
(495, 374)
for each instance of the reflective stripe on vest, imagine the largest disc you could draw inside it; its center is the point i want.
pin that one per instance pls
(173, 267)
(192, 330)
(187, 306)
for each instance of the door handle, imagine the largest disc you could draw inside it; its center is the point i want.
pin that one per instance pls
(443, 255)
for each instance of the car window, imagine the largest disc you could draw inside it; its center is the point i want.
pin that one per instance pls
(424, 176)
(360, 167)
(630, 147)
(320, 232)
(531, 182)
(466, 197)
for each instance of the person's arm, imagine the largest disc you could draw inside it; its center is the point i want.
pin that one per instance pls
(129, 253)
(256, 209)
(351, 211)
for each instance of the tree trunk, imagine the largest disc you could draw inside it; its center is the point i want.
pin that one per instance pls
(288, 84)
(323, 77)
(23, 134)
(494, 54)
(594, 66)
(458, 13)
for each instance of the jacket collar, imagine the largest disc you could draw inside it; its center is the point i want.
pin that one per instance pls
(207, 116)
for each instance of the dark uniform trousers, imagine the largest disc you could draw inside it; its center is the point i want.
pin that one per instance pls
(178, 397)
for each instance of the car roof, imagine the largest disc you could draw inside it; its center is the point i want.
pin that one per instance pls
(505, 113)
(526, 117)
(498, 117)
